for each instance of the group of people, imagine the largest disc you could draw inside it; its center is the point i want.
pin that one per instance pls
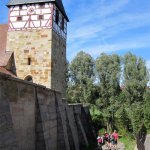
(109, 139)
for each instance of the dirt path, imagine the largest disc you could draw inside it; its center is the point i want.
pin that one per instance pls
(120, 147)
(147, 142)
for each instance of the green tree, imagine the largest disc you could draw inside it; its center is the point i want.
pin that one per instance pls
(146, 108)
(108, 70)
(81, 73)
(135, 78)
(123, 122)
(135, 84)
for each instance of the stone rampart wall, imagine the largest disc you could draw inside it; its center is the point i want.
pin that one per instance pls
(33, 117)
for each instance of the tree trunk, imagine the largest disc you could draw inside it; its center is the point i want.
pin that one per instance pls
(109, 124)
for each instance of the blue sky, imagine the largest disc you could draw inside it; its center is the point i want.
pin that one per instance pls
(110, 26)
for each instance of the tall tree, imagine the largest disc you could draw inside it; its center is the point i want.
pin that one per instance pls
(146, 108)
(108, 69)
(135, 78)
(135, 84)
(81, 73)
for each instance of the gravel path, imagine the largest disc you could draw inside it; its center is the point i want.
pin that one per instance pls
(147, 142)
(120, 147)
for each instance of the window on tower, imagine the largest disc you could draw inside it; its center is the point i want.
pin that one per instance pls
(29, 61)
(41, 17)
(20, 7)
(42, 6)
(57, 16)
(62, 23)
(19, 18)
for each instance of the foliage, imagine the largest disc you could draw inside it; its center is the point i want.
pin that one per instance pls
(81, 73)
(81, 68)
(135, 78)
(147, 108)
(97, 82)
(128, 141)
(135, 84)
(122, 120)
(108, 70)
(97, 118)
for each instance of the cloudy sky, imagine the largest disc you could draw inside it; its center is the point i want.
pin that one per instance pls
(110, 26)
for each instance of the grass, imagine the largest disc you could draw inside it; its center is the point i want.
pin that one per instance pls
(148, 132)
(128, 142)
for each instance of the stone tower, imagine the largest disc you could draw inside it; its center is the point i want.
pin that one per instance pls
(37, 36)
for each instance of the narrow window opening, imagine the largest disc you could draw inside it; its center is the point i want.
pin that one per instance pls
(20, 7)
(29, 61)
(62, 23)
(57, 16)
(19, 18)
(42, 6)
(41, 17)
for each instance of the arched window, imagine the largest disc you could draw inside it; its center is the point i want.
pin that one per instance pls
(28, 78)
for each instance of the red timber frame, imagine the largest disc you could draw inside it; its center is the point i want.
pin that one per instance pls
(36, 23)
(28, 22)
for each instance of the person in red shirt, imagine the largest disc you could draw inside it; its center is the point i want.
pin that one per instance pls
(115, 142)
(100, 141)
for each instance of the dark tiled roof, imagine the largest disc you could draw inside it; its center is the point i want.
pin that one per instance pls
(3, 70)
(21, 2)
(3, 37)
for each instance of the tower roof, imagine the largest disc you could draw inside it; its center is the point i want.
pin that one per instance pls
(58, 3)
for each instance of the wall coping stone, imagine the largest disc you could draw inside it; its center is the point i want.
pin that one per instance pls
(75, 104)
(9, 77)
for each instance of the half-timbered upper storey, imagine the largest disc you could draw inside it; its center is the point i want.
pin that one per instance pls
(37, 14)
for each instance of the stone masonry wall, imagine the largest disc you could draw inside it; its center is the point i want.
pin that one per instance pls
(33, 117)
(59, 63)
(46, 51)
(22, 105)
(8, 139)
(36, 45)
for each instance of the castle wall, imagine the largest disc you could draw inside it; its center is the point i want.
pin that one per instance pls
(46, 55)
(22, 105)
(81, 131)
(33, 117)
(8, 138)
(47, 126)
(72, 129)
(87, 122)
(59, 63)
(36, 45)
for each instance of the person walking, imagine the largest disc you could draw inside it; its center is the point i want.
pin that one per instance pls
(106, 136)
(111, 141)
(100, 141)
(115, 141)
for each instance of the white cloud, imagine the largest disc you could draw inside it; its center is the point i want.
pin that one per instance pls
(96, 50)
(110, 27)
(148, 64)
(101, 27)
